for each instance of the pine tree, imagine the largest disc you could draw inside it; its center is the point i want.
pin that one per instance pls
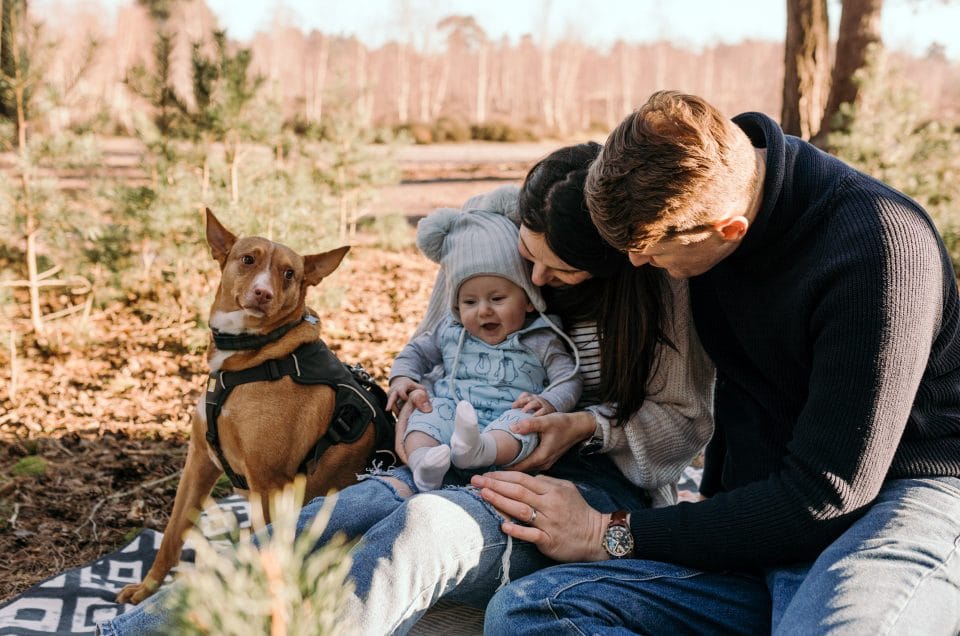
(35, 206)
(154, 83)
(226, 92)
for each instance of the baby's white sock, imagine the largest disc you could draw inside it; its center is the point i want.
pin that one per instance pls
(429, 464)
(468, 447)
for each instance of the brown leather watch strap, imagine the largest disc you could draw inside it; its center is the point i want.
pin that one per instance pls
(618, 518)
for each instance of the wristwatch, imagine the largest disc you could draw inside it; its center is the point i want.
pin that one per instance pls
(617, 540)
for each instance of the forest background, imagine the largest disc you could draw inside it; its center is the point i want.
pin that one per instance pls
(116, 136)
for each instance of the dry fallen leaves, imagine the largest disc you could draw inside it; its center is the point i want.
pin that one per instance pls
(109, 411)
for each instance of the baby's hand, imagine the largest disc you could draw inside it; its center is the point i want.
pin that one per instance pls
(533, 403)
(400, 392)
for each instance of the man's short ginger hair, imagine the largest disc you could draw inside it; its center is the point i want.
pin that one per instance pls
(662, 170)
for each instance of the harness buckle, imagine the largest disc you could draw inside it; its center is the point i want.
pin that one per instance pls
(337, 429)
(358, 372)
(273, 370)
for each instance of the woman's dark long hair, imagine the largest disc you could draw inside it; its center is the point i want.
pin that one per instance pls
(628, 303)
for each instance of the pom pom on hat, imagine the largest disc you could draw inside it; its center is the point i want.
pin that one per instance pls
(475, 243)
(433, 229)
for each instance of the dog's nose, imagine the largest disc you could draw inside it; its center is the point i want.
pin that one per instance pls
(263, 294)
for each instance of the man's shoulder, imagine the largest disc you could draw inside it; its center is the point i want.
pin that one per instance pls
(870, 212)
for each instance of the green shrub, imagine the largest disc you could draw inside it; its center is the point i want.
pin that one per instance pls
(500, 131)
(447, 129)
(418, 132)
(284, 587)
(891, 136)
(391, 231)
(30, 466)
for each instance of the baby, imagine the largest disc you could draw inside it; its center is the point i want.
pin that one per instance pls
(500, 361)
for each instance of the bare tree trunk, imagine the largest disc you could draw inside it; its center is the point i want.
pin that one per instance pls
(403, 90)
(364, 94)
(342, 201)
(424, 82)
(609, 99)
(32, 277)
(320, 80)
(235, 180)
(20, 82)
(441, 93)
(511, 79)
(859, 29)
(660, 67)
(481, 111)
(205, 177)
(626, 82)
(565, 95)
(354, 215)
(234, 155)
(21, 114)
(14, 369)
(709, 68)
(806, 66)
(546, 87)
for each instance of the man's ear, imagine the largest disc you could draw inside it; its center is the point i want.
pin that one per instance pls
(732, 228)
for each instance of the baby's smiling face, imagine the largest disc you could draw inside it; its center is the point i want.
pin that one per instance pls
(491, 308)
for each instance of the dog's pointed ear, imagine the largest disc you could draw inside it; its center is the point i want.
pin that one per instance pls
(316, 267)
(219, 238)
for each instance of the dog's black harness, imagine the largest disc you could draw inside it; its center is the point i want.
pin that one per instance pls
(359, 400)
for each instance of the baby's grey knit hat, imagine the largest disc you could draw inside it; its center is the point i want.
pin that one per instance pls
(475, 243)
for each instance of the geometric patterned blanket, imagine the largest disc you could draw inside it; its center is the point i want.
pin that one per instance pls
(72, 603)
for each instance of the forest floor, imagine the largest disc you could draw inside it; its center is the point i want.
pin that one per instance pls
(94, 417)
(93, 442)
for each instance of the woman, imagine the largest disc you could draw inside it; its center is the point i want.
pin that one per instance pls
(448, 543)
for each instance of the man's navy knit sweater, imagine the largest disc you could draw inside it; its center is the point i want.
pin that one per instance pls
(835, 328)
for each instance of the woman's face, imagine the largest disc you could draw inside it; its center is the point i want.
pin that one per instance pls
(548, 268)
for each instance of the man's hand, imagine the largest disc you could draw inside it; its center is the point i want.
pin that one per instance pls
(564, 528)
(404, 396)
(559, 432)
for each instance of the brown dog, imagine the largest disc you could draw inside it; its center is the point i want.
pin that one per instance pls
(270, 426)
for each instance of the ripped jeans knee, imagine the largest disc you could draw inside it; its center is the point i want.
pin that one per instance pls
(402, 489)
(399, 480)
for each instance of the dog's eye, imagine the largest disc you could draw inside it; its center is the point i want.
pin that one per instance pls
(246, 259)
(288, 274)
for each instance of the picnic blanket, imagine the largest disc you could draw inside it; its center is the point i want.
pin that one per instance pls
(76, 600)
(72, 603)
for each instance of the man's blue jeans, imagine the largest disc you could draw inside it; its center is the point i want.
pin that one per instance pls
(895, 571)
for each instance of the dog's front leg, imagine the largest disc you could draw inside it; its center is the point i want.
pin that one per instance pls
(197, 480)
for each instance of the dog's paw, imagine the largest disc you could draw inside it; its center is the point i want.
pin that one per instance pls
(136, 592)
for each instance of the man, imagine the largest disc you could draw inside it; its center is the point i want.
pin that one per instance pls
(832, 484)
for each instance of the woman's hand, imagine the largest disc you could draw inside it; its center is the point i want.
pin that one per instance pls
(559, 432)
(535, 404)
(565, 527)
(404, 396)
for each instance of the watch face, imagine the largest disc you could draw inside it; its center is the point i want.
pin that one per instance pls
(618, 541)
